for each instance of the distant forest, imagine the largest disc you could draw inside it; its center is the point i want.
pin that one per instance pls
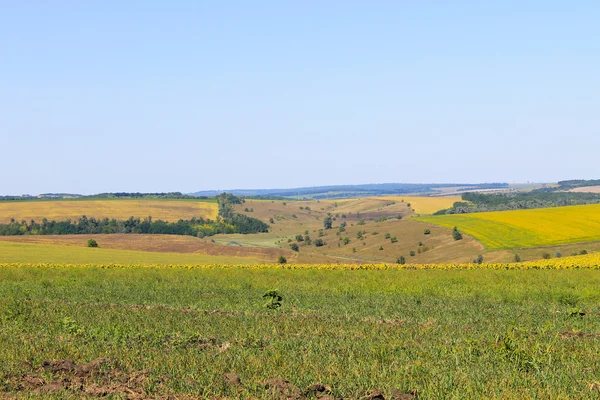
(482, 202)
(344, 191)
(227, 222)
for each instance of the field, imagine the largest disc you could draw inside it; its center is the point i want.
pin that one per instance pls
(22, 252)
(527, 228)
(151, 332)
(60, 210)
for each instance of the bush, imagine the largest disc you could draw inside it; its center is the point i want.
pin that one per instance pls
(401, 260)
(92, 243)
(387, 236)
(478, 260)
(558, 254)
(282, 260)
(517, 258)
(393, 239)
(294, 247)
(546, 255)
(427, 232)
(456, 234)
(319, 242)
(412, 253)
(346, 240)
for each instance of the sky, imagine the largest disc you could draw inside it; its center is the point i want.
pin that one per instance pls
(156, 96)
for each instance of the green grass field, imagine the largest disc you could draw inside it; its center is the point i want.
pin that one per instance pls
(527, 228)
(446, 334)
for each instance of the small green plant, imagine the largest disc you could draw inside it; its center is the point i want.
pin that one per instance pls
(558, 254)
(273, 298)
(546, 255)
(282, 260)
(387, 236)
(393, 239)
(412, 253)
(478, 260)
(380, 247)
(427, 232)
(92, 243)
(517, 258)
(582, 252)
(294, 247)
(401, 260)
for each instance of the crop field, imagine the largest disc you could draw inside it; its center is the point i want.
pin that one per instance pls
(148, 332)
(426, 205)
(11, 251)
(60, 210)
(527, 228)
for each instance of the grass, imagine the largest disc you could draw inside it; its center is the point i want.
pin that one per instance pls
(447, 334)
(12, 252)
(527, 228)
(60, 210)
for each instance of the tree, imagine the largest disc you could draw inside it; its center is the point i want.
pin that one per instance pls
(294, 247)
(328, 222)
(401, 260)
(282, 260)
(478, 260)
(92, 243)
(427, 232)
(319, 242)
(456, 234)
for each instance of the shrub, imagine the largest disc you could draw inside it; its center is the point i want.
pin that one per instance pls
(346, 240)
(517, 258)
(393, 239)
(294, 247)
(582, 252)
(401, 260)
(380, 247)
(456, 234)
(271, 221)
(387, 236)
(92, 243)
(427, 231)
(478, 260)
(299, 238)
(546, 255)
(282, 260)
(558, 254)
(412, 253)
(319, 242)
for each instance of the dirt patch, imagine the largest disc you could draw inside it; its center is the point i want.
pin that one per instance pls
(82, 379)
(580, 335)
(280, 388)
(232, 379)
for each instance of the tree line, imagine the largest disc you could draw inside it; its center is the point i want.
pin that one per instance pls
(227, 222)
(482, 202)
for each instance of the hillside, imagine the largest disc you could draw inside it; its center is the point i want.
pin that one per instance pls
(527, 228)
(164, 209)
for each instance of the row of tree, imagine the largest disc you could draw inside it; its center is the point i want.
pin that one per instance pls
(482, 202)
(195, 227)
(227, 222)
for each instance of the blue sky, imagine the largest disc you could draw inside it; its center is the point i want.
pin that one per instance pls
(107, 95)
